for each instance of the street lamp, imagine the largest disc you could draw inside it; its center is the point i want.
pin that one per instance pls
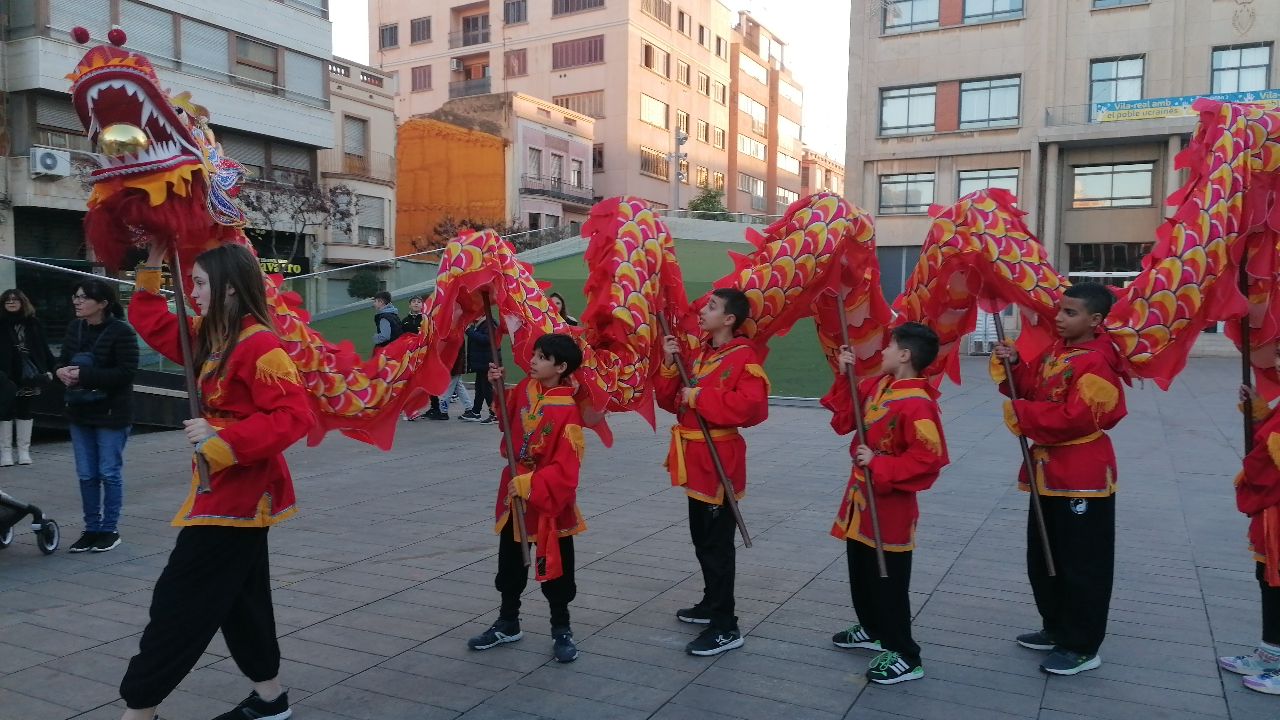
(677, 177)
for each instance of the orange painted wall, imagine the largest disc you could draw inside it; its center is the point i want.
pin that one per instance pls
(445, 170)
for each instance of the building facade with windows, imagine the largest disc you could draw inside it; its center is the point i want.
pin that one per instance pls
(819, 173)
(642, 70)
(764, 122)
(1077, 106)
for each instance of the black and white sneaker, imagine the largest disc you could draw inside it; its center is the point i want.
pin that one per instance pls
(889, 668)
(255, 708)
(855, 637)
(470, 416)
(694, 615)
(502, 631)
(85, 543)
(1066, 662)
(714, 642)
(491, 419)
(105, 542)
(563, 646)
(1038, 640)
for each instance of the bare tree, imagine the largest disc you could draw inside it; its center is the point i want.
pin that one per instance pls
(289, 211)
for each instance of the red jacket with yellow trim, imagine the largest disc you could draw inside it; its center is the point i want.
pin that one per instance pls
(731, 392)
(904, 429)
(1068, 398)
(259, 408)
(1258, 490)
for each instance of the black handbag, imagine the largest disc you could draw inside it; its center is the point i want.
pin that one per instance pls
(76, 395)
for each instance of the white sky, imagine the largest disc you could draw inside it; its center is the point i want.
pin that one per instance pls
(817, 53)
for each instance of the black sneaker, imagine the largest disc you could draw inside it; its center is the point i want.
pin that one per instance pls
(564, 648)
(441, 415)
(695, 615)
(1038, 640)
(889, 668)
(502, 631)
(855, 637)
(255, 708)
(105, 541)
(85, 543)
(491, 419)
(714, 642)
(469, 416)
(1066, 662)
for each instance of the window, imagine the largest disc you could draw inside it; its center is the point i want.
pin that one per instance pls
(576, 53)
(534, 167)
(753, 68)
(753, 186)
(371, 220)
(597, 157)
(420, 30)
(976, 11)
(758, 112)
(1099, 4)
(684, 23)
(660, 10)
(682, 72)
(704, 84)
(702, 178)
(790, 92)
(971, 180)
(655, 58)
(788, 163)
(989, 103)
(683, 173)
(1241, 68)
(1107, 257)
(748, 145)
(704, 131)
(575, 173)
(717, 138)
(256, 62)
(704, 37)
(151, 31)
(904, 194)
(420, 78)
(516, 62)
(290, 164)
(904, 111)
(654, 111)
(784, 199)
(355, 137)
(205, 50)
(1100, 186)
(590, 104)
(717, 181)
(557, 168)
(568, 7)
(682, 121)
(1115, 79)
(722, 48)
(788, 129)
(515, 12)
(719, 92)
(654, 163)
(388, 36)
(910, 15)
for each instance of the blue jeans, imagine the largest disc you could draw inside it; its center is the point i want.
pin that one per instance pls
(99, 462)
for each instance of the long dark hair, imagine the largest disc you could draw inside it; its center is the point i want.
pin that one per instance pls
(102, 291)
(229, 267)
(28, 310)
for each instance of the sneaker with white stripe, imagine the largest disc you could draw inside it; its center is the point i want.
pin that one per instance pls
(855, 636)
(1261, 660)
(890, 668)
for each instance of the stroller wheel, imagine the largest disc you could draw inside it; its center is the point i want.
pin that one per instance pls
(48, 537)
(6, 538)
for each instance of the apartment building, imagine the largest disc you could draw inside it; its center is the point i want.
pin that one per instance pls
(819, 173)
(764, 122)
(1077, 106)
(642, 70)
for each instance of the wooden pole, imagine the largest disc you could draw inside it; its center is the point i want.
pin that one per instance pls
(729, 498)
(1246, 348)
(1036, 509)
(500, 401)
(861, 424)
(188, 366)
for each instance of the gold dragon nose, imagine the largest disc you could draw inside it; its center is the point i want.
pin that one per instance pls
(122, 139)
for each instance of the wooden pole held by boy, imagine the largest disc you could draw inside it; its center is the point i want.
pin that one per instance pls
(861, 425)
(500, 401)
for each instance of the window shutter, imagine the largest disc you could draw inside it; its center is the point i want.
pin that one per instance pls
(57, 112)
(244, 149)
(150, 31)
(92, 14)
(353, 134)
(294, 157)
(205, 50)
(371, 212)
(304, 79)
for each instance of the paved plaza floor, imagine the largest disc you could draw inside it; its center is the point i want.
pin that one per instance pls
(389, 567)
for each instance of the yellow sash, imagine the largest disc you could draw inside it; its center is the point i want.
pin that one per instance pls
(681, 435)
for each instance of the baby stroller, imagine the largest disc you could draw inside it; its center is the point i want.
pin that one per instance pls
(12, 510)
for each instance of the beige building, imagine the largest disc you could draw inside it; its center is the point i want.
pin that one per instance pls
(642, 70)
(764, 122)
(1077, 106)
(819, 173)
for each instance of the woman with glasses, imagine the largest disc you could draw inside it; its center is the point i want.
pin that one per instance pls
(27, 365)
(98, 361)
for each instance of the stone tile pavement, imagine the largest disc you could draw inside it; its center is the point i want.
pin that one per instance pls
(389, 567)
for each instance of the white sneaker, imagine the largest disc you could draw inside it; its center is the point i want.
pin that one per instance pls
(1267, 682)
(1261, 660)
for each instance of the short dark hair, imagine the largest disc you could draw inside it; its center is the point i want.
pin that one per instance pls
(101, 291)
(920, 341)
(1097, 298)
(383, 295)
(735, 304)
(560, 348)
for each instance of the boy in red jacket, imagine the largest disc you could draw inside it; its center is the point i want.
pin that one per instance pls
(730, 391)
(905, 451)
(1258, 496)
(541, 409)
(1068, 398)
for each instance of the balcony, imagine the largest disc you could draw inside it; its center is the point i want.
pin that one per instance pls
(557, 188)
(467, 88)
(371, 166)
(339, 250)
(465, 38)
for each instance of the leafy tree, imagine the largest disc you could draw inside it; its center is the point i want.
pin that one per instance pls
(363, 284)
(709, 205)
(290, 210)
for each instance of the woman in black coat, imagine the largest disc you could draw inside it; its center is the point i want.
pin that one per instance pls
(27, 366)
(99, 359)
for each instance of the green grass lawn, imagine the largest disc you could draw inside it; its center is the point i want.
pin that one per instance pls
(795, 363)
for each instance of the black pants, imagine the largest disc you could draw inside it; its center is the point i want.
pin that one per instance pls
(1082, 536)
(216, 577)
(712, 528)
(484, 392)
(1270, 608)
(513, 578)
(21, 408)
(883, 605)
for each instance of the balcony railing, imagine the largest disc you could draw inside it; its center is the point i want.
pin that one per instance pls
(463, 38)
(558, 188)
(467, 88)
(375, 166)
(531, 239)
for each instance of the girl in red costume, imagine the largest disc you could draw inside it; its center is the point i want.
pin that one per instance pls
(255, 407)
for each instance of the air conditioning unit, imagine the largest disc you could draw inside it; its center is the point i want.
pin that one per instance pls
(50, 162)
(455, 65)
